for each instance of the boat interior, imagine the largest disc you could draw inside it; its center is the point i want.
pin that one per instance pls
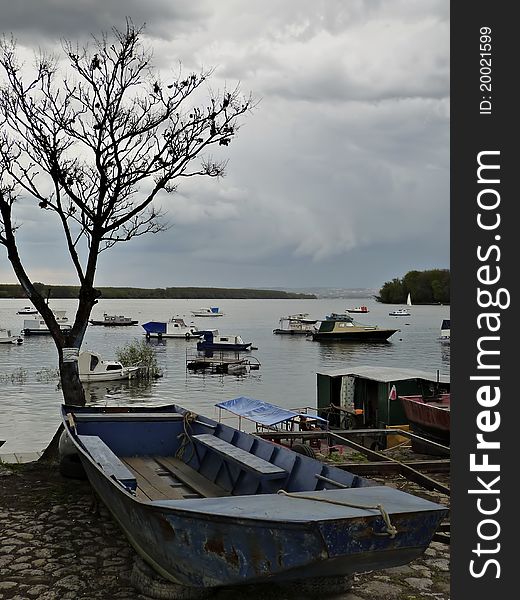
(185, 456)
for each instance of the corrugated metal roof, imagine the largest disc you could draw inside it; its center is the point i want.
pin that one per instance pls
(386, 374)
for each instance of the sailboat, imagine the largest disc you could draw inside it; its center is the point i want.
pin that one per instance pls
(409, 300)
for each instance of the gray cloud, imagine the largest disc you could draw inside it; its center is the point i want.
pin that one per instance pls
(344, 162)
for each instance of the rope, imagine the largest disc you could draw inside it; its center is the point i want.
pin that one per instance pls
(391, 531)
(185, 436)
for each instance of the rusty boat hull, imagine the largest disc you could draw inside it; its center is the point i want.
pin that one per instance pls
(229, 519)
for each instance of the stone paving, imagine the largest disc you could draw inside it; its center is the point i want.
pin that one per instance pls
(55, 546)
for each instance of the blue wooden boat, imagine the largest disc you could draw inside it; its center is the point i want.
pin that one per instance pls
(207, 505)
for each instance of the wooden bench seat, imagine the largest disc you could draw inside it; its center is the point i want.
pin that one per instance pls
(244, 459)
(108, 461)
(151, 416)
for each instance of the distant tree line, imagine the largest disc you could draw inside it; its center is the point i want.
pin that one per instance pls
(424, 287)
(170, 293)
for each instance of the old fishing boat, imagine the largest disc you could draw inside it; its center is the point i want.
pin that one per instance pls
(346, 330)
(207, 505)
(114, 321)
(93, 368)
(429, 416)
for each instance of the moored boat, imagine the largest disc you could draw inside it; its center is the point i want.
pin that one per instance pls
(176, 327)
(93, 368)
(346, 330)
(446, 331)
(358, 309)
(113, 321)
(6, 337)
(211, 311)
(207, 506)
(298, 324)
(37, 326)
(400, 312)
(212, 340)
(429, 415)
(27, 310)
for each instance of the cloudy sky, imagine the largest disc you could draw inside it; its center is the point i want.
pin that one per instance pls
(340, 177)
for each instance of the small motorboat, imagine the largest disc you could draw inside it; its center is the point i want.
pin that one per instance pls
(212, 340)
(400, 312)
(429, 416)
(358, 309)
(37, 326)
(207, 505)
(93, 368)
(445, 331)
(6, 337)
(27, 310)
(348, 330)
(211, 311)
(175, 327)
(114, 321)
(298, 324)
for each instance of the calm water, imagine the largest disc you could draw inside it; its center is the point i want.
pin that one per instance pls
(29, 413)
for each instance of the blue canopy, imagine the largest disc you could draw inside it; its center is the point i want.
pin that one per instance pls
(261, 412)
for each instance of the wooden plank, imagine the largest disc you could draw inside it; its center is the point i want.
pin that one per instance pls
(155, 486)
(244, 459)
(191, 478)
(108, 461)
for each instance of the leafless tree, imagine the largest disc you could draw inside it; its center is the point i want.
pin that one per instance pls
(94, 142)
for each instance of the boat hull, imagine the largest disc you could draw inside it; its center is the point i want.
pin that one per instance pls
(375, 335)
(114, 324)
(291, 332)
(203, 346)
(248, 533)
(429, 418)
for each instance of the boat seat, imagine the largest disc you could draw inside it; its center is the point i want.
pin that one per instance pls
(108, 461)
(244, 459)
(137, 416)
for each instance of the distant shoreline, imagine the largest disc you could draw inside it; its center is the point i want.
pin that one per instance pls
(170, 293)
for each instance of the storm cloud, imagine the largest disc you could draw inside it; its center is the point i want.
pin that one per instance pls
(339, 177)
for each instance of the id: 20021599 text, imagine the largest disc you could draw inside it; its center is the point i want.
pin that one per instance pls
(485, 71)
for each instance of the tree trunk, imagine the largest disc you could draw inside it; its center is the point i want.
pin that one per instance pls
(71, 386)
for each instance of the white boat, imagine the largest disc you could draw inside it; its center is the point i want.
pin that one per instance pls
(7, 338)
(37, 326)
(209, 311)
(445, 331)
(358, 309)
(298, 324)
(27, 310)
(409, 300)
(400, 312)
(175, 327)
(93, 368)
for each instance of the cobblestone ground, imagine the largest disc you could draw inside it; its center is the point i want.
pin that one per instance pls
(54, 546)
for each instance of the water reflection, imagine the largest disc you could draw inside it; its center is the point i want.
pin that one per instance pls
(116, 393)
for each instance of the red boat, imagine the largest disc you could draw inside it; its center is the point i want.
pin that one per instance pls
(429, 416)
(358, 309)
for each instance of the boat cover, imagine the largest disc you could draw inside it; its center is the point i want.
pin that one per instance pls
(261, 412)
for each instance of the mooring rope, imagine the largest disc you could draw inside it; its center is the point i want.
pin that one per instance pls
(391, 531)
(185, 436)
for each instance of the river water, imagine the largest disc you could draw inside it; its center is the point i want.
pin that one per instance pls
(30, 400)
